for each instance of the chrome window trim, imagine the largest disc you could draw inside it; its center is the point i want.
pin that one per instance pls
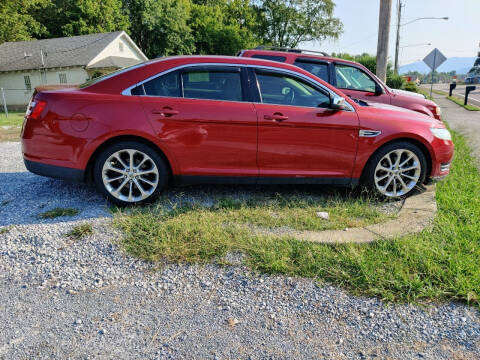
(127, 91)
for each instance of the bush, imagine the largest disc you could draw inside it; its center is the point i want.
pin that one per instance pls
(395, 81)
(411, 86)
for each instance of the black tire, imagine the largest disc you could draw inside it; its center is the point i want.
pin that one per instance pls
(140, 149)
(368, 177)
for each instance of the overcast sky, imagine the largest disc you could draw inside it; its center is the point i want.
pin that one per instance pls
(457, 37)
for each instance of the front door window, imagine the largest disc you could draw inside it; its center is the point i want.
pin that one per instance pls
(282, 89)
(352, 78)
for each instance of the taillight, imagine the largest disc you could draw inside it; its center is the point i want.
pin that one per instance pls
(35, 109)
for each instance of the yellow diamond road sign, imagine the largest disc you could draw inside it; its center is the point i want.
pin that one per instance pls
(434, 59)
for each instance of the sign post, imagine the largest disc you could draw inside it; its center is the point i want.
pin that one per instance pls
(434, 60)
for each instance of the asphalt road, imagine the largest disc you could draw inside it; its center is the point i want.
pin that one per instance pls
(473, 97)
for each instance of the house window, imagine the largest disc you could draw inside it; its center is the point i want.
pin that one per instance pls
(62, 77)
(120, 46)
(28, 84)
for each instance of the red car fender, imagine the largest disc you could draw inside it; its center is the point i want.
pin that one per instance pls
(95, 144)
(368, 146)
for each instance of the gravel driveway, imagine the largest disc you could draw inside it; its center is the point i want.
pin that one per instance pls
(86, 299)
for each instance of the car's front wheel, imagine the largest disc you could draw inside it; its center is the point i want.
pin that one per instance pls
(130, 173)
(396, 170)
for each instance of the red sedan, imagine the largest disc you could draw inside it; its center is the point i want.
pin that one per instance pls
(213, 119)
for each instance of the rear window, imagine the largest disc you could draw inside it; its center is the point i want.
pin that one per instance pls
(270, 57)
(110, 74)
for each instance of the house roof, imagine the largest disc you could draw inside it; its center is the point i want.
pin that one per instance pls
(113, 62)
(58, 52)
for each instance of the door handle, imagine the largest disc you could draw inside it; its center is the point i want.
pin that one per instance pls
(278, 117)
(166, 111)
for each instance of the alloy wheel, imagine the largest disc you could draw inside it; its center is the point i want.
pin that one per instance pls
(130, 175)
(397, 172)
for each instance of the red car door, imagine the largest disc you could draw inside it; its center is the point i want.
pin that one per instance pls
(356, 83)
(200, 115)
(298, 135)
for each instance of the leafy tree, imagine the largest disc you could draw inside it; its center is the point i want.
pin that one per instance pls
(159, 27)
(17, 23)
(222, 26)
(79, 17)
(286, 23)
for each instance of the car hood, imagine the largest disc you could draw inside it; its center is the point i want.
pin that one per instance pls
(394, 113)
(407, 93)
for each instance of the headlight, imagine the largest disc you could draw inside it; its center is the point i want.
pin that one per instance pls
(441, 133)
(438, 110)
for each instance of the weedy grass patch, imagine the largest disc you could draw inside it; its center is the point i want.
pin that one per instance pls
(79, 232)
(58, 212)
(4, 230)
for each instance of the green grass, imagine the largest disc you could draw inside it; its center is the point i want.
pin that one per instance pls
(459, 101)
(14, 118)
(58, 212)
(4, 230)
(441, 263)
(186, 231)
(14, 123)
(80, 231)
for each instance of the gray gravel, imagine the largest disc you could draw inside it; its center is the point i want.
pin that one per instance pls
(85, 299)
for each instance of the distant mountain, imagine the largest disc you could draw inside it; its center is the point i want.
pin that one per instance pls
(460, 64)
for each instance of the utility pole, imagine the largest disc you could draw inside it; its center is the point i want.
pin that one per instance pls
(383, 35)
(397, 44)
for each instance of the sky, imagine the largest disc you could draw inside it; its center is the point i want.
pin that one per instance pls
(459, 36)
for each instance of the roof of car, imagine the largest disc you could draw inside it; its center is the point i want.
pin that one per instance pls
(292, 55)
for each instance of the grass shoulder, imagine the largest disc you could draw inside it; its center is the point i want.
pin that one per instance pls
(460, 102)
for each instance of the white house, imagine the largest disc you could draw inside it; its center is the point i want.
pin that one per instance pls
(70, 60)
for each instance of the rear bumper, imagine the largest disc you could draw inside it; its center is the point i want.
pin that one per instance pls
(58, 172)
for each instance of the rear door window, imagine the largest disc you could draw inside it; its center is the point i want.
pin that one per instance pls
(165, 85)
(319, 69)
(212, 84)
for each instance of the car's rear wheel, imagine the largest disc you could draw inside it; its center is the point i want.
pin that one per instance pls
(396, 170)
(130, 173)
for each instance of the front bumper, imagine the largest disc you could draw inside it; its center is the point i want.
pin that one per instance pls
(53, 171)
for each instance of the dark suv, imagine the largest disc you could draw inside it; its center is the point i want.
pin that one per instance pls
(354, 79)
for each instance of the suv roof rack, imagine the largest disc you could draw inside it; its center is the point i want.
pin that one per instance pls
(278, 48)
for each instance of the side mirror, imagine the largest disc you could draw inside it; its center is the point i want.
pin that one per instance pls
(378, 89)
(338, 103)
